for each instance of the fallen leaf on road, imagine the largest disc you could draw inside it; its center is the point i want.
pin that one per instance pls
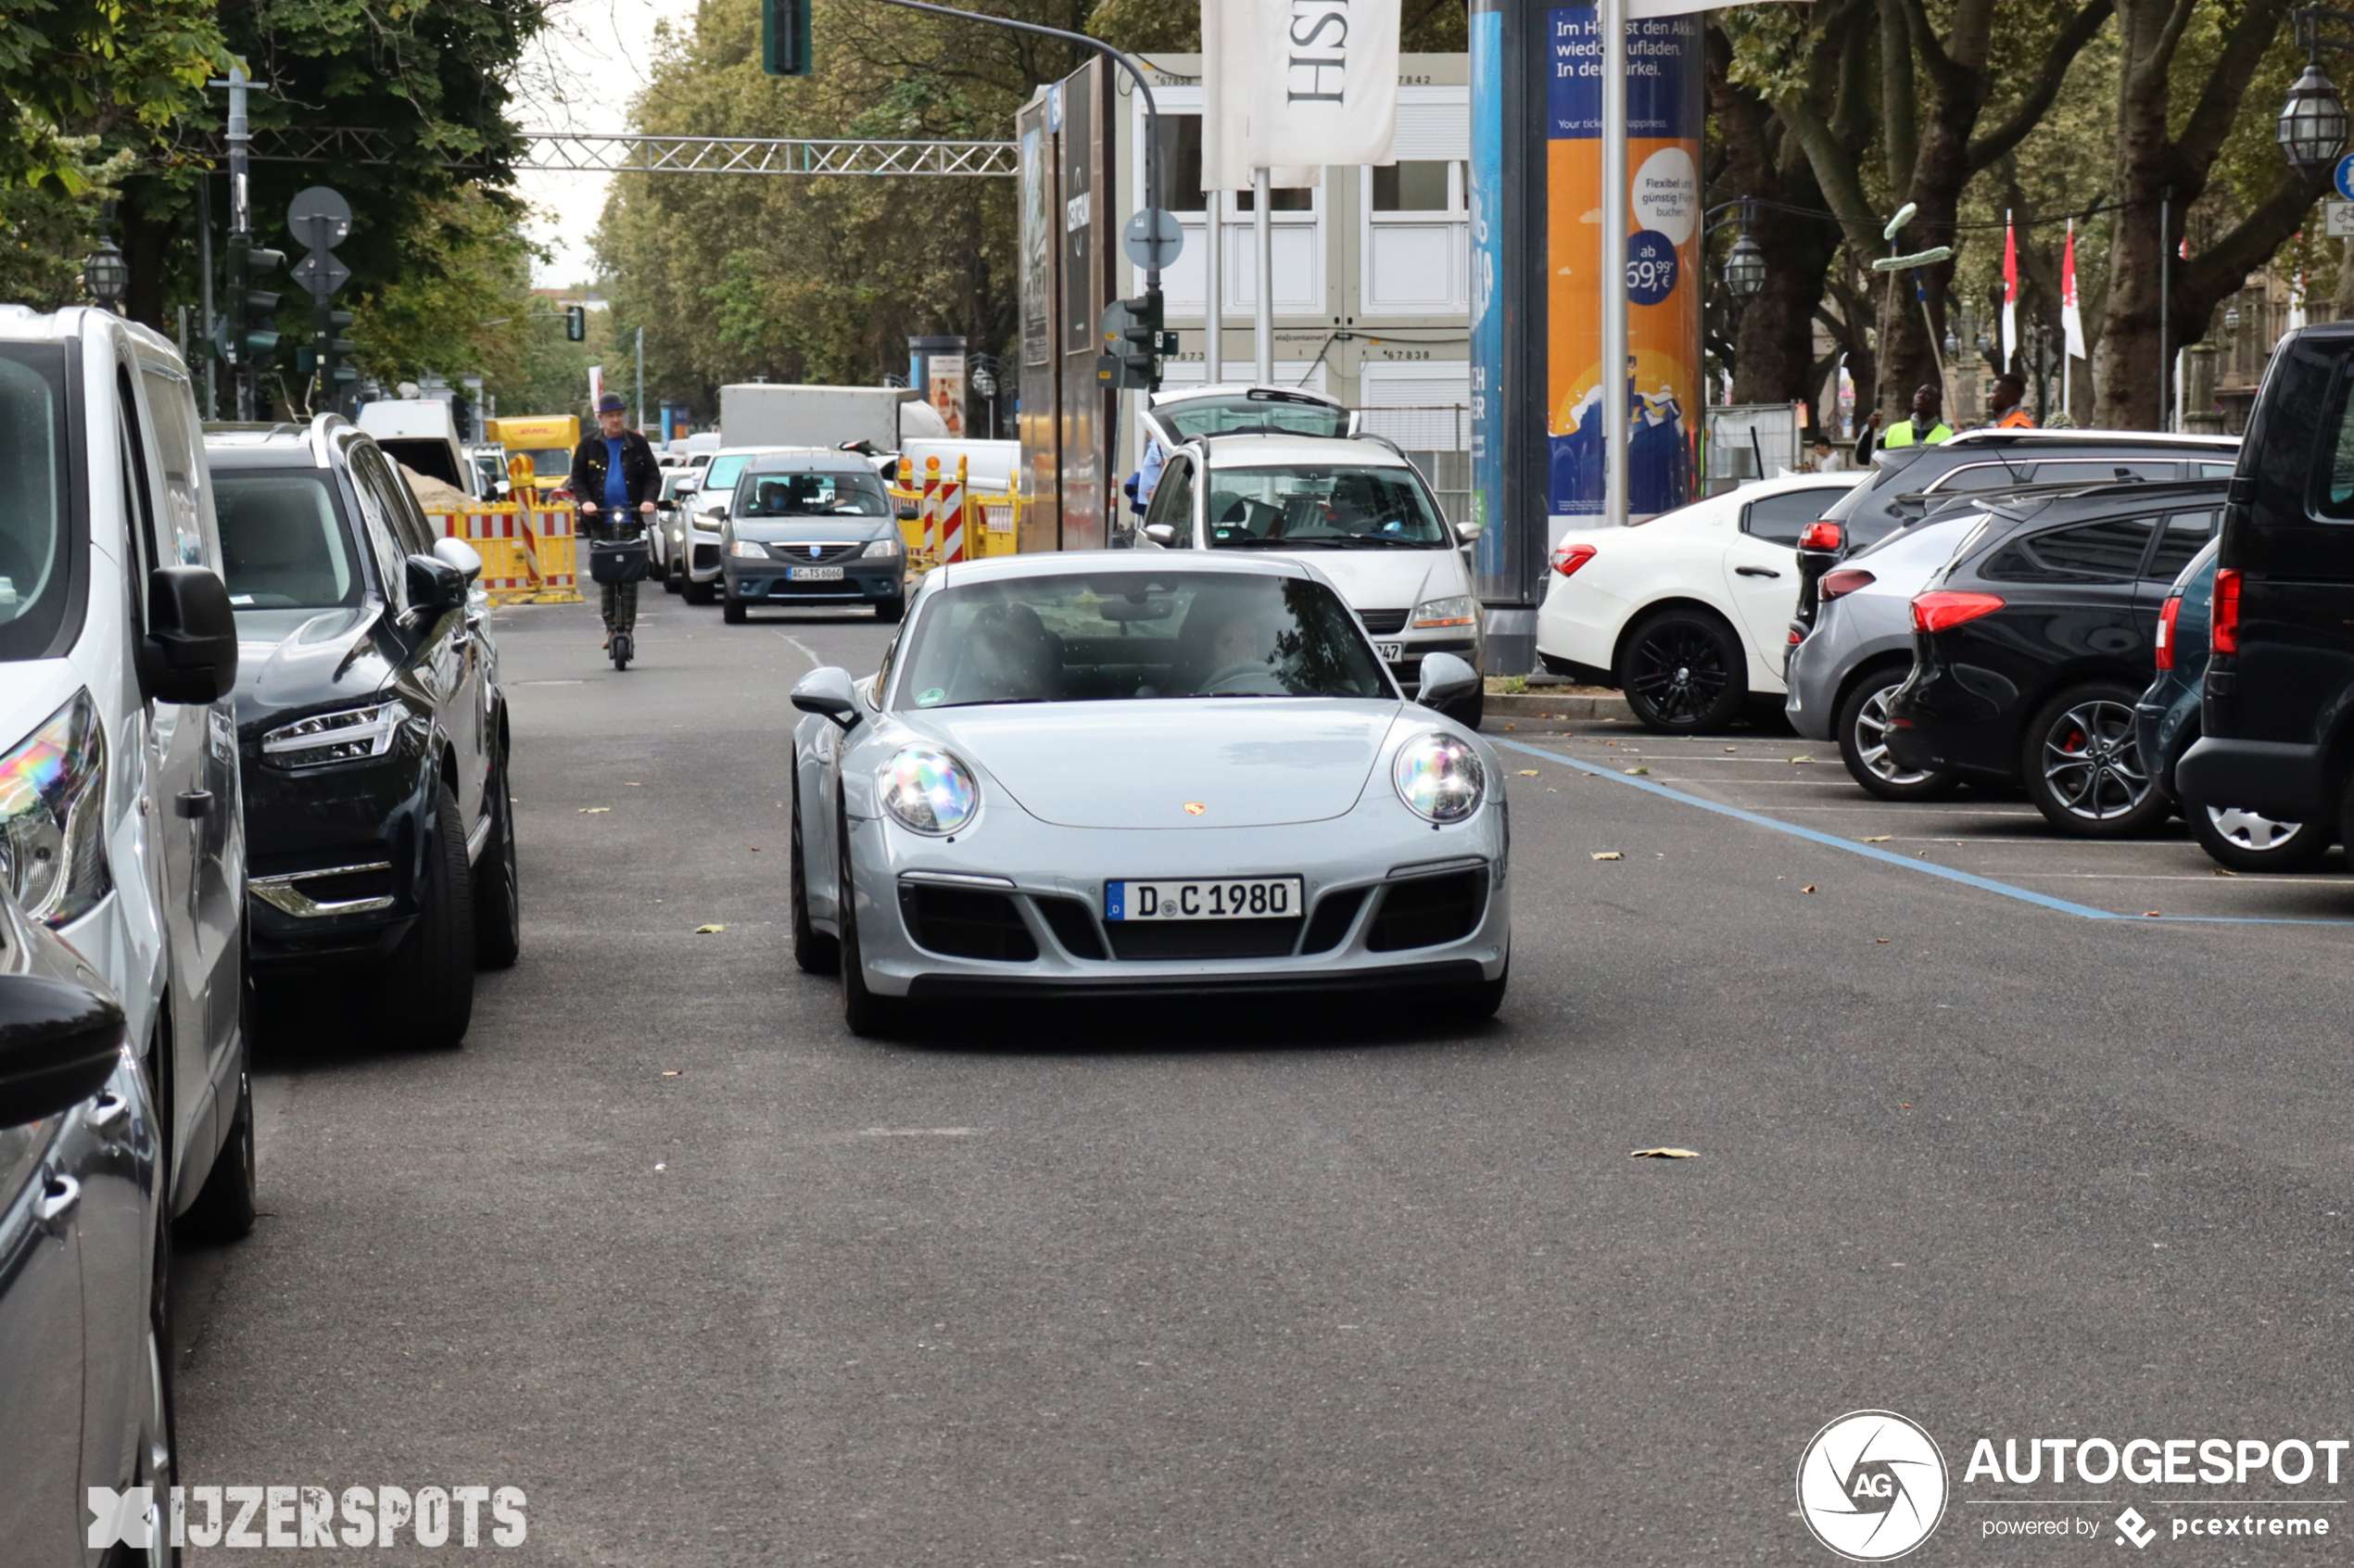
(631, 784)
(1882, 941)
(756, 849)
(1528, 773)
(1731, 747)
(1664, 1154)
(1639, 771)
(709, 931)
(1808, 887)
(591, 811)
(1802, 759)
(1512, 726)
(1879, 838)
(670, 1072)
(2218, 871)
(2149, 914)
(1608, 854)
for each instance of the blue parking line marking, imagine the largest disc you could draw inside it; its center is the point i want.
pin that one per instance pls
(1967, 878)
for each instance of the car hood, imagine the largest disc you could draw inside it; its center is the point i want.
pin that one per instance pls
(32, 692)
(290, 658)
(812, 530)
(1248, 762)
(1388, 579)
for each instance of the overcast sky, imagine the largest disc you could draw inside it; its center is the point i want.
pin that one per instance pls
(580, 75)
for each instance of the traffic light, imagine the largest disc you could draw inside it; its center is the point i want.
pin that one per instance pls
(331, 349)
(1134, 343)
(784, 38)
(248, 332)
(576, 323)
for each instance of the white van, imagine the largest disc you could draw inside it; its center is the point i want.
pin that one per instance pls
(121, 819)
(421, 434)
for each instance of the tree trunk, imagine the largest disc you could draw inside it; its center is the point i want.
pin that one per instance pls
(2135, 381)
(1774, 333)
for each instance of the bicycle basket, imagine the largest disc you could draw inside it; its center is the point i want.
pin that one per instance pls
(618, 560)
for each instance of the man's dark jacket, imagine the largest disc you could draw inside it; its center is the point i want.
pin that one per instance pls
(638, 470)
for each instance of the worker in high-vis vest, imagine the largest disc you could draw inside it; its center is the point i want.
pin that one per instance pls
(2007, 409)
(1926, 427)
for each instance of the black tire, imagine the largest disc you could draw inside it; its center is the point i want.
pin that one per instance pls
(891, 611)
(2083, 766)
(1862, 731)
(625, 647)
(868, 1015)
(1684, 672)
(700, 593)
(429, 991)
(731, 610)
(817, 952)
(2245, 842)
(497, 892)
(224, 1210)
(674, 578)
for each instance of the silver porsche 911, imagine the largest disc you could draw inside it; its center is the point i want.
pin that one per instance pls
(1126, 773)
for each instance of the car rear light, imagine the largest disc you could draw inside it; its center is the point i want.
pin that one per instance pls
(1797, 634)
(1847, 579)
(1935, 611)
(2223, 622)
(2167, 613)
(1824, 535)
(1569, 557)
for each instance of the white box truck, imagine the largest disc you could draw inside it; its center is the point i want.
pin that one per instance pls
(762, 414)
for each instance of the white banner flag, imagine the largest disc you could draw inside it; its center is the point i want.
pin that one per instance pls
(596, 384)
(1292, 85)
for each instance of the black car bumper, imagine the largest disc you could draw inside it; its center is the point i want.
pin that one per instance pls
(333, 860)
(862, 582)
(1941, 719)
(2287, 780)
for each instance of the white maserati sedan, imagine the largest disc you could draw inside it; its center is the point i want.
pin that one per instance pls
(1688, 614)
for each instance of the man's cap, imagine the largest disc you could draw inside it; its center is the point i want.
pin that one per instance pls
(612, 402)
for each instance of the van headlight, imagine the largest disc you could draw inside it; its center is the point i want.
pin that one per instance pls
(350, 735)
(1439, 777)
(1456, 611)
(52, 809)
(927, 790)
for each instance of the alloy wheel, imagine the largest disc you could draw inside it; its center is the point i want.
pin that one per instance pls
(2092, 763)
(1679, 671)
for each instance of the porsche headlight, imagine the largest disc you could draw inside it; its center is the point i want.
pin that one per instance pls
(350, 735)
(1460, 610)
(928, 791)
(1439, 777)
(53, 808)
(746, 550)
(884, 547)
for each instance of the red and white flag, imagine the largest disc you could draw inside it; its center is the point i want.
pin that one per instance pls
(2010, 291)
(2071, 313)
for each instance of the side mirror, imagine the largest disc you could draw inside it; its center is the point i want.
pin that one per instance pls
(505, 489)
(190, 651)
(1162, 534)
(435, 585)
(459, 554)
(686, 487)
(827, 691)
(1470, 531)
(1446, 679)
(904, 510)
(59, 1044)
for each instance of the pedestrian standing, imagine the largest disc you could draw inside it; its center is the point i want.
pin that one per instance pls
(613, 473)
(2009, 404)
(1926, 427)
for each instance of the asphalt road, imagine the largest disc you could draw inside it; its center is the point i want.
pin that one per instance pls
(1241, 1287)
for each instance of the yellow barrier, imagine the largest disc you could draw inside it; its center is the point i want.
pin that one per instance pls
(526, 549)
(992, 527)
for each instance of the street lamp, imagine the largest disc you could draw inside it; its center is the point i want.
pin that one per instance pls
(1744, 269)
(2311, 127)
(107, 275)
(985, 382)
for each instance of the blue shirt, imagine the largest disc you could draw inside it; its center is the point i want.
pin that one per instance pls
(616, 487)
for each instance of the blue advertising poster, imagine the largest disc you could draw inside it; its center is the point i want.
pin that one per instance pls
(1486, 273)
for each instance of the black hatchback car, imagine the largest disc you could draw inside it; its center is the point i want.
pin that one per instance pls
(2033, 646)
(379, 827)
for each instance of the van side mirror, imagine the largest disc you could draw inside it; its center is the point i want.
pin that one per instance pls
(827, 691)
(59, 1044)
(435, 585)
(190, 651)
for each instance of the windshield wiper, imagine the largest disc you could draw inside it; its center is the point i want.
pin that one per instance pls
(1386, 541)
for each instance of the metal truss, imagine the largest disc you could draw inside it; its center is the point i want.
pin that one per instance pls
(632, 154)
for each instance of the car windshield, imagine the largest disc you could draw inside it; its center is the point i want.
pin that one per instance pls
(1322, 508)
(1136, 635)
(1244, 413)
(812, 495)
(719, 476)
(549, 462)
(35, 550)
(282, 545)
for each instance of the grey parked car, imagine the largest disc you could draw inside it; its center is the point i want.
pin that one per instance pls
(810, 528)
(86, 1361)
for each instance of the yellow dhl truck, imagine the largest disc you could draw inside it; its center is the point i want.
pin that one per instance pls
(548, 440)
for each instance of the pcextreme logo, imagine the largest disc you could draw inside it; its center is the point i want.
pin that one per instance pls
(1871, 1485)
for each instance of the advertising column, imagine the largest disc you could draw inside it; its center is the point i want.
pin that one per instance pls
(1663, 100)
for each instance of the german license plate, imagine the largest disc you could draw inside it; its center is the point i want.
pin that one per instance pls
(1391, 653)
(815, 573)
(1236, 898)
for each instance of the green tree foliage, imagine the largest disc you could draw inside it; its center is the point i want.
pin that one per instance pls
(126, 69)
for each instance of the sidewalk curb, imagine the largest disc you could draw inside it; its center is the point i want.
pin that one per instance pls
(1519, 710)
